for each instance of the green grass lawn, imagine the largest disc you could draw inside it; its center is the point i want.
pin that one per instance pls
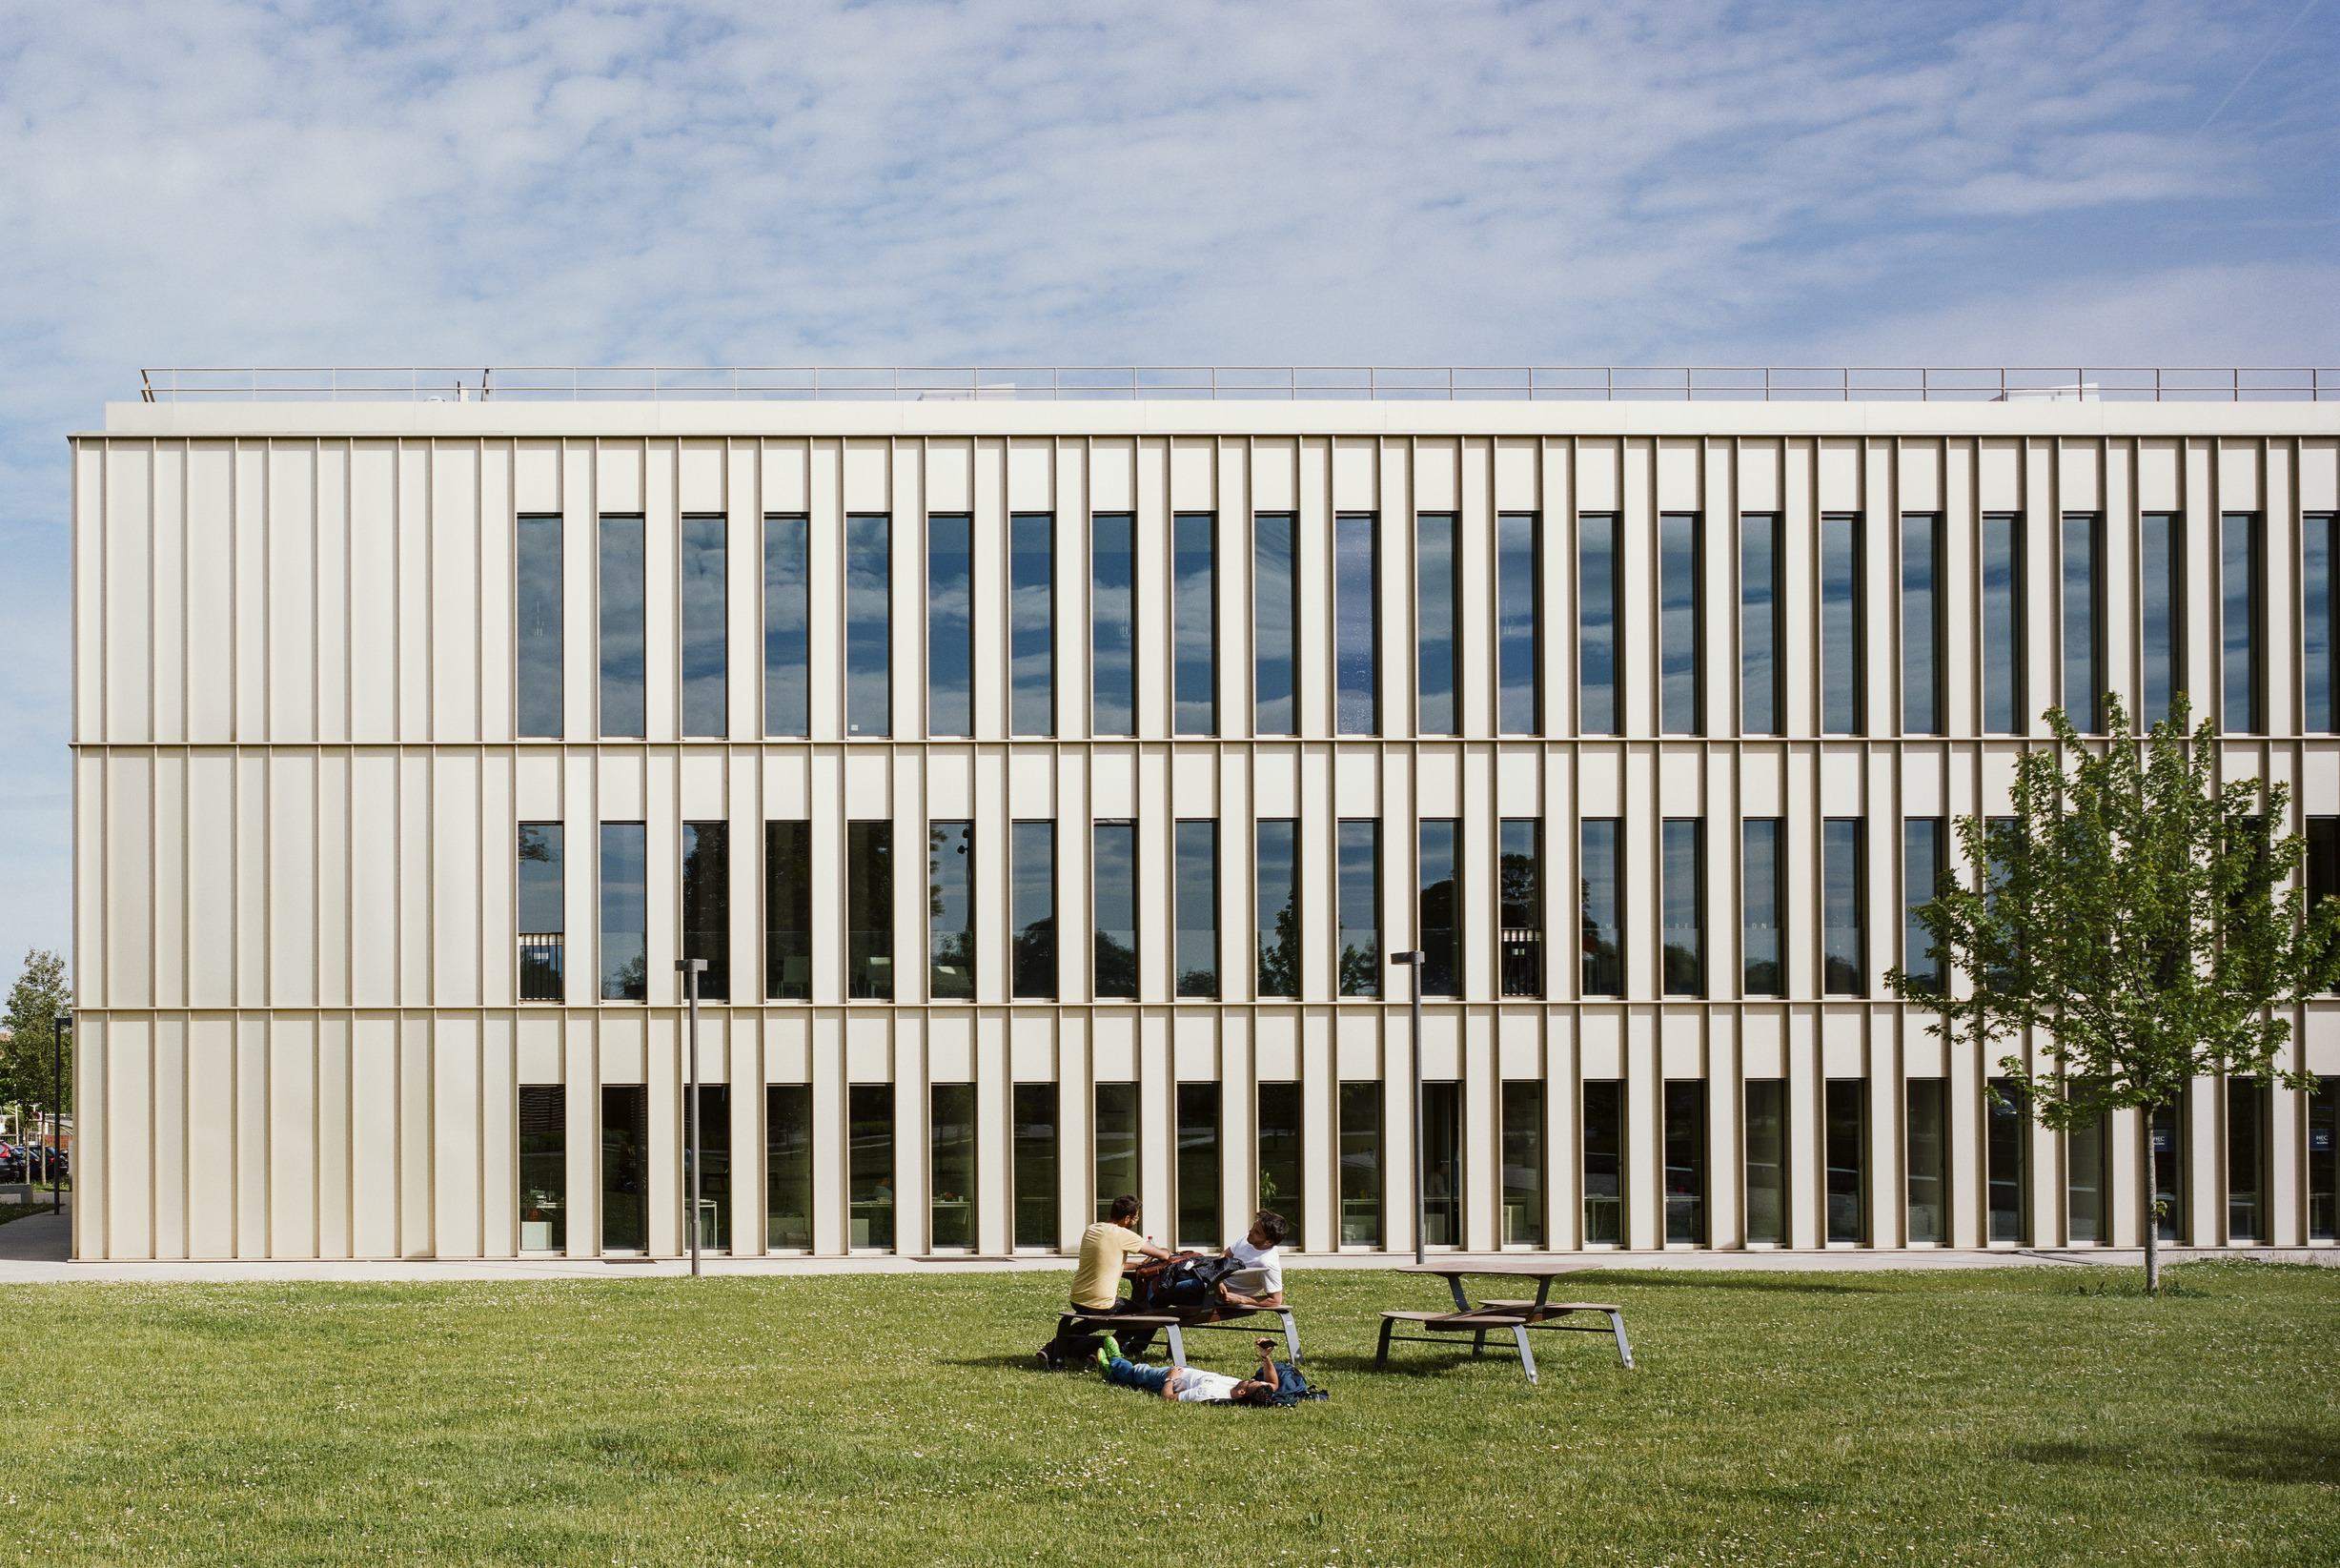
(2010, 1416)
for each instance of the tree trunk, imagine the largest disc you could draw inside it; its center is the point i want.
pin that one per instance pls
(2152, 1207)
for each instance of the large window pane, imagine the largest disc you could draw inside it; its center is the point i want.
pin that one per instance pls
(1356, 624)
(620, 619)
(1197, 895)
(2004, 1147)
(787, 911)
(538, 578)
(625, 1167)
(950, 625)
(1360, 1124)
(1198, 1166)
(2088, 1192)
(1929, 1168)
(1112, 611)
(1360, 909)
(1767, 1160)
(2247, 1137)
(1925, 854)
(706, 904)
(787, 624)
(1604, 1162)
(1519, 873)
(1518, 625)
(2241, 678)
(2169, 1149)
(1275, 610)
(1847, 1147)
(1760, 625)
(1439, 908)
(1279, 908)
(544, 1167)
(1442, 1163)
(1681, 617)
(1116, 1145)
(625, 920)
(1114, 901)
(1037, 1187)
(1686, 1161)
(869, 910)
(2083, 619)
(951, 911)
(1032, 625)
(2323, 1161)
(1195, 628)
(1922, 624)
(950, 1178)
(1437, 612)
(715, 1159)
(1600, 702)
(787, 1167)
(2319, 646)
(705, 630)
(1684, 849)
(1844, 948)
(1604, 912)
(2003, 623)
(1032, 870)
(543, 918)
(870, 627)
(869, 1166)
(1282, 1141)
(2161, 613)
(2320, 868)
(1842, 709)
(1763, 905)
(1523, 1163)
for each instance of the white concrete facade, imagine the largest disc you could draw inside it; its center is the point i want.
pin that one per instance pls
(298, 775)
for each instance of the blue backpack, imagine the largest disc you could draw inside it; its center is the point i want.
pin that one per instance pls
(1290, 1387)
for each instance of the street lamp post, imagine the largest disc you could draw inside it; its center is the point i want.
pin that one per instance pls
(692, 969)
(1414, 960)
(56, 1188)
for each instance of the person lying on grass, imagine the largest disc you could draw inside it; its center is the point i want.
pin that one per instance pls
(1193, 1384)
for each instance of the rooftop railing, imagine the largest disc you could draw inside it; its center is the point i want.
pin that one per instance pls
(1064, 383)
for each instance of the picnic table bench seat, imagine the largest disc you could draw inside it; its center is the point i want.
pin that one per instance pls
(1517, 1317)
(1173, 1326)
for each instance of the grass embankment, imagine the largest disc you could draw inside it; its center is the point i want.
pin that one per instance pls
(2015, 1416)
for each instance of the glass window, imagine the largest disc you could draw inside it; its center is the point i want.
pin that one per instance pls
(1112, 610)
(1275, 612)
(622, 686)
(1198, 1166)
(1767, 1160)
(1282, 1141)
(544, 1167)
(1929, 1169)
(2004, 1147)
(543, 912)
(1035, 1165)
(1844, 954)
(1686, 1161)
(2089, 1180)
(1442, 1163)
(1518, 624)
(625, 920)
(1114, 897)
(1523, 1163)
(950, 1191)
(1360, 909)
(1681, 638)
(2084, 621)
(1279, 908)
(2168, 1139)
(869, 630)
(539, 581)
(1032, 625)
(706, 905)
(1760, 624)
(1925, 854)
(869, 912)
(1198, 908)
(1519, 873)
(951, 911)
(715, 1158)
(625, 1167)
(1763, 905)
(2004, 619)
(1439, 908)
(1116, 1145)
(2241, 680)
(1848, 1156)
(1600, 698)
(1684, 846)
(869, 1166)
(1604, 898)
(787, 624)
(1842, 709)
(1032, 855)
(1356, 593)
(1195, 630)
(787, 911)
(1361, 1121)
(950, 625)
(2320, 672)
(705, 633)
(2161, 611)
(2323, 1161)
(787, 1167)
(1604, 1162)
(1922, 624)
(1437, 613)
(2247, 1119)
(2321, 866)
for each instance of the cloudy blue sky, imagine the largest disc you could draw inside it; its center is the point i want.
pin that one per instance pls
(1027, 182)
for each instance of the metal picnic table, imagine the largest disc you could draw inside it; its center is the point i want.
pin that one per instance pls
(1515, 1314)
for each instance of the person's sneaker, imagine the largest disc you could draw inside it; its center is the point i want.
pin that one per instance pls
(1048, 1362)
(1108, 1353)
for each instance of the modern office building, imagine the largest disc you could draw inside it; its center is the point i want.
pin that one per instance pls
(1045, 781)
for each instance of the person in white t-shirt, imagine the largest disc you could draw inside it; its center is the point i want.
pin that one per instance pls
(1193, 1384)
(1260, 1280)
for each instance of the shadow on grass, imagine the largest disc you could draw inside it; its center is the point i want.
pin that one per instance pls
(2290, 1456)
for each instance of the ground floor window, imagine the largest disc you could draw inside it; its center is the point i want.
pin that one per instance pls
(2324, 1162)
(869, 1166)
(1847, 1139)
(1929, 1160)
(1523, 1163)
(1442, 1163)
(715, 1156)
(1035, 1166)
(1767, 1160)
(2005, 1148)
(1281, 1145)
(951, 1171)
(2168, 1141)
(787, 1166)
(1198, 1166)
(625, 1167)
(1686, 1161)
(2088, 1186)
(2247, 1119)
(544, 1167)
(1360, 1124)
(1604, 1161)
(1116, 1145)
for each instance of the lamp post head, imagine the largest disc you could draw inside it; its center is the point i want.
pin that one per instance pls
(684, 966)
(1399, 961)
(64, 1018)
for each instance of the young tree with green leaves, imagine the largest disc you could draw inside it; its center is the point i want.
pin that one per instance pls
(2141, 920)
(29, 1057)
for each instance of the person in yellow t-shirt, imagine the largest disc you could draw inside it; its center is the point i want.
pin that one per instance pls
(1108, 1249)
